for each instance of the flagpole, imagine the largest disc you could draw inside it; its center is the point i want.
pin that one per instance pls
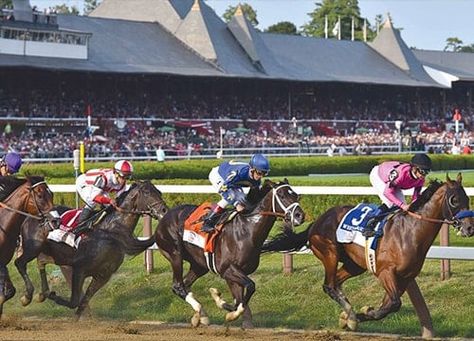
(340, 28)
(352, 30)
(365, 30)
(326, 27)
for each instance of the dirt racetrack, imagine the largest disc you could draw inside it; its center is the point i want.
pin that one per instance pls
(33, 329)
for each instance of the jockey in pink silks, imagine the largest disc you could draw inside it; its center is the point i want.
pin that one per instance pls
(389, 179)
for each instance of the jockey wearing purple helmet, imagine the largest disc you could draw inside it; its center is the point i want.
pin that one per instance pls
(10, 164)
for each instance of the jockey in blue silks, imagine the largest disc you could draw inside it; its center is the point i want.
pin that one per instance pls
(228, 179)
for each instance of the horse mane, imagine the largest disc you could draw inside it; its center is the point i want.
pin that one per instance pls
(121, 198)
(256, 194)
(34, 179)
(433, 186)
(8, 184)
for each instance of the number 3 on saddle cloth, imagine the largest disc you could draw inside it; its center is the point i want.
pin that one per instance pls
(192, 228)
(353, 223)
(64, 234)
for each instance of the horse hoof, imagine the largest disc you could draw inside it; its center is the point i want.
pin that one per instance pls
(204, 320)
(42, 297)
(25, 300)
(196, 320)
(215, 293)
(366, 309)
(352, 325)
(2, 299)
(234, 315)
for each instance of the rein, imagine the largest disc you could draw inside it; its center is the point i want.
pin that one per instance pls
(138, 212)
(25, 213)
(431, 220)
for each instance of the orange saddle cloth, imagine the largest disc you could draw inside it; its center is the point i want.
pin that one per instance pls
(192, 229)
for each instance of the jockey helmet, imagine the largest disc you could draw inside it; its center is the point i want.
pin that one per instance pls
(124, 168)
(260, 163)
(12, 161)
(422, 161)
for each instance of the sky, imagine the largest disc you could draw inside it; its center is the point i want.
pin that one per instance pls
(425, 24)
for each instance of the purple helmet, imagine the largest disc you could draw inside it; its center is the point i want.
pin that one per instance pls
(13, 162)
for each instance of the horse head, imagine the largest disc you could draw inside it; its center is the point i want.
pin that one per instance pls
(458, 203)
(144, 198)
(285, 201)
(40, 197)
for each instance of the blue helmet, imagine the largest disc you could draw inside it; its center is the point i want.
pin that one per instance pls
(13, 162)
(260, 163)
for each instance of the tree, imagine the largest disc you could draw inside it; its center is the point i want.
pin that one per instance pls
(283, 27)
(65, 9)
(90, 5)
(6, 4)
(333, 9)
(467, 48)
(249, 13)
(453, 44)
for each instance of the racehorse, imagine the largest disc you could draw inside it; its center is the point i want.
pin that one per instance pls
(101, 251)
(400, 253)
(19, 198)
(237, 248)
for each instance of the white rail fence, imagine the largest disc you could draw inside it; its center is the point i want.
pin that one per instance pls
(436, 252)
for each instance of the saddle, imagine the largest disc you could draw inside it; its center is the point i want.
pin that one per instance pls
(192, 227)
(69, 219)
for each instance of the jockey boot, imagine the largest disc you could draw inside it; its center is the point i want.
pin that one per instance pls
(82, 221)
(374, 218)
(211, 219)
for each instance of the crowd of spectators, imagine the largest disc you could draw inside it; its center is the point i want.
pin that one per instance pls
(308, 123)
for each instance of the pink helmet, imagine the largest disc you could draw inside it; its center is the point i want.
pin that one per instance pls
(124, 168)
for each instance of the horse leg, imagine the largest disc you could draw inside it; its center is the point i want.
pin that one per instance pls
(391, 302)
(41, 262)
(327, 253)
(7, 290)
(242, 288)
(78, 278)
(178, 287)
(193, 274)
(247, 320)
(29, 253)
(96, 283)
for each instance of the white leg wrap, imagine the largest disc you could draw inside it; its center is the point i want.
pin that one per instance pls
(216, 295)
(192, 301)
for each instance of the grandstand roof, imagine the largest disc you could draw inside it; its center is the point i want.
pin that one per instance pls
(459, 64)
(391, 46)
(186, 37)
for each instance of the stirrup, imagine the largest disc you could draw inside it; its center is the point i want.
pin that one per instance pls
(207, 229)
(368, 232)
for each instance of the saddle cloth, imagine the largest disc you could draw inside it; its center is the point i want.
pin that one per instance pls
(353, 223)
(64, 234)
(192, 229)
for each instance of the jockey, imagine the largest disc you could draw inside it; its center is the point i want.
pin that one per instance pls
(10, 164)
(228, 179)
(95, 185)
(389, 179)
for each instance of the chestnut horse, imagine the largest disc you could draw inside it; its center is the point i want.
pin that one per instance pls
(237, 248)
(400, 253)
(19, 198)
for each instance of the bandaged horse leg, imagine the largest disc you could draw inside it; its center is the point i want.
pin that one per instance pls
(391, 302)
(194, 273)
(7, 290)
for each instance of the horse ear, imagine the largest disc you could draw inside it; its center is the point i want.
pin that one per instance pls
(285, 180)
(459, 178)
(448, 179)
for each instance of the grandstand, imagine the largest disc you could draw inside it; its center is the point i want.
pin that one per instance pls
(167, 72)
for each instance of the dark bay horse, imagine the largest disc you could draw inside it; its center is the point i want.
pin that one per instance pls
(101, 251)
(19, 198)
(237, 248)
(400, 254)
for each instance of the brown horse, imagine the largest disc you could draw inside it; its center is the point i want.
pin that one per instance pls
(19, 198)
(400, 254)
(100, 253)
(237, 248)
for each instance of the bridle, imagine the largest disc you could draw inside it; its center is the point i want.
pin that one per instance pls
(151, 211)
(290, 209)
(26, 214)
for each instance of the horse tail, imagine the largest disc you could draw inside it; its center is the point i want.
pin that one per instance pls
(286, 241)
(135, 246)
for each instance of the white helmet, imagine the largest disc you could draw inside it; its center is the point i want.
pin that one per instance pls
(124, 168)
